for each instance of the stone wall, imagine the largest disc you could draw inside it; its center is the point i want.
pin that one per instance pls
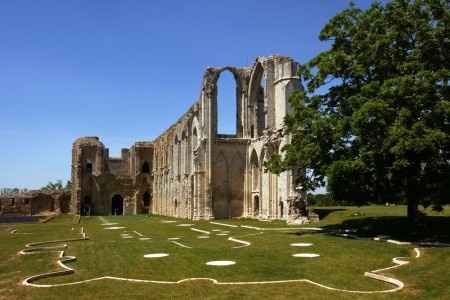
(35, 203)
(229, 177)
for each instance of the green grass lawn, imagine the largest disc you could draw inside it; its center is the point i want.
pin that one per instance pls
(342, 262)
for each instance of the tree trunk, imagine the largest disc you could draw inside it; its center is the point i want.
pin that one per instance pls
(412, 209)
(412, 197)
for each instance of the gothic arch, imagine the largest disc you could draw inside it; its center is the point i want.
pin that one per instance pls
(210, 80)
(196, 134)
(257, 102)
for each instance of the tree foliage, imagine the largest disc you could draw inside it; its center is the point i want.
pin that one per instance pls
(57, 186)
(373, 118)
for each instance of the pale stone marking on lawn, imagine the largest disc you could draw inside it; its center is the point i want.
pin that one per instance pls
(417, 250)
(380, 237)
(203, 237)
(185, 225)
(181, 245)
(138, 233)
(398, 242)
(306, 255)
(168, 221)
(114, 227)
(201, 231)
(156, 255)
(32, 248)
(243, 243)
(220, 263)
(250, 227)
(301, 244)
(174, 239)
(282, 228)
(144, 238)
(224, 224)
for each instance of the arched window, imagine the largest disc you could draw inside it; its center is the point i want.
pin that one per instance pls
(261, 105)
(194, 139)
(184, 153)
(145, 167)
(254, 171)
(226, 103)
(258, 100)
(88, 167)
(177, 156)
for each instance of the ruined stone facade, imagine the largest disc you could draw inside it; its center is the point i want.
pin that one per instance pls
(192, 171)
(104, 185)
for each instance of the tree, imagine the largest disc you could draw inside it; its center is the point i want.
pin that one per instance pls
(373, 117)
(52, 187)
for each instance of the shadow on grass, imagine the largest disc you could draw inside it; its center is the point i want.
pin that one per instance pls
(429, 229)
(324, 212)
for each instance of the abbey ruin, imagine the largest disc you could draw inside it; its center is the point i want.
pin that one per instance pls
(191, 171)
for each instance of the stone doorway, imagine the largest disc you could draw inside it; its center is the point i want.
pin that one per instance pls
(281, 209)
(256, 205)
(146, 200)
(117, 205)
(85, 209)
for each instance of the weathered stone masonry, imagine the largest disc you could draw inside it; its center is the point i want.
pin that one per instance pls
(192, 171)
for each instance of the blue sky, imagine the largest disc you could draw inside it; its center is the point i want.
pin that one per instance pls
(125, 70)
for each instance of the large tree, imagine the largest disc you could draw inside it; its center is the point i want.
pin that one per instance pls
(373, 119)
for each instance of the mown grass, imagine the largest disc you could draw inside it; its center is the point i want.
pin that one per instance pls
(342, 262)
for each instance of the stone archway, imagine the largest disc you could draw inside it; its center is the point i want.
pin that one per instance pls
(117, 205)
(258, 101)
(210, 88)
